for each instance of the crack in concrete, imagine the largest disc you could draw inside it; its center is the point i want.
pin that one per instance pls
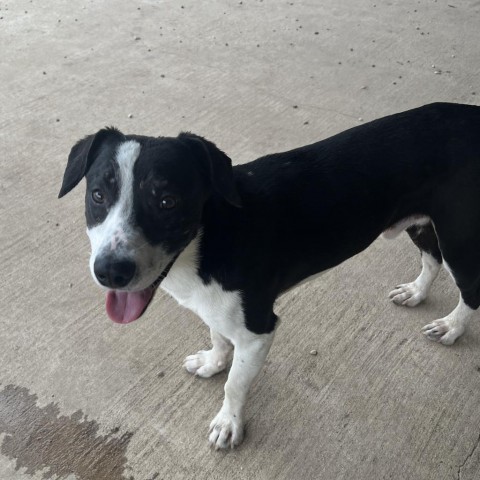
(475, 446)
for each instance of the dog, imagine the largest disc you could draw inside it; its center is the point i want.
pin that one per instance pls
(226, 241)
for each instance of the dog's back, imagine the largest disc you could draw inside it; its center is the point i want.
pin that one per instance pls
(339, 194)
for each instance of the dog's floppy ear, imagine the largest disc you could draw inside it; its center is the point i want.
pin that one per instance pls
(217, 164)
(81, 158)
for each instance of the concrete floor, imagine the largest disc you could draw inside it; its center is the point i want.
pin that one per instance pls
(83, 398)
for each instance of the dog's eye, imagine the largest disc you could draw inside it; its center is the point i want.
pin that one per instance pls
(168, 202)
(97, 196)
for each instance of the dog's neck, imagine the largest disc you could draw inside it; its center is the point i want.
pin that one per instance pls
(184, 269)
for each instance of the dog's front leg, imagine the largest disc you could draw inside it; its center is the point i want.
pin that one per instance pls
(206, 363)
(249, 356)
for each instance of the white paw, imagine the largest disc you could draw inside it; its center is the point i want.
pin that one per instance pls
(443, 331)
(408, 294)
(205, 363)
(226, 430)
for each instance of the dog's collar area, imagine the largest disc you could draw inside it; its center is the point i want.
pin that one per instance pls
(165, 272)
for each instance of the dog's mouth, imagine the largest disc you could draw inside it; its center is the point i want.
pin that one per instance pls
(126, 307)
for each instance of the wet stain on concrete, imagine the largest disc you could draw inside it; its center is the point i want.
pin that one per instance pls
(41, 440)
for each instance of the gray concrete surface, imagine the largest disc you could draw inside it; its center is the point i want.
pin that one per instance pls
(83, 398)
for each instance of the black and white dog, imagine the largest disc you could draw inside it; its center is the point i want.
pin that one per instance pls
(226, 242)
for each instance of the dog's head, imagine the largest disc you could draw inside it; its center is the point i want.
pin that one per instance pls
(143, 205)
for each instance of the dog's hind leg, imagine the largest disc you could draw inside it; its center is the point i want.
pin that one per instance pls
(458, 239)
(411, 294)
(446, 330)
(206, 363)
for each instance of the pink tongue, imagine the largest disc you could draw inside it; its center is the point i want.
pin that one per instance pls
(125, 307)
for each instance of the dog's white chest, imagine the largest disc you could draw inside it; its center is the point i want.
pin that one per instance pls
(219, 309)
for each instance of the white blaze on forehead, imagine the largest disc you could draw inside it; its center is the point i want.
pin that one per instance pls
(127, 154)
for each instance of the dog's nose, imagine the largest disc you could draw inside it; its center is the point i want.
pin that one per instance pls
(113, 273)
